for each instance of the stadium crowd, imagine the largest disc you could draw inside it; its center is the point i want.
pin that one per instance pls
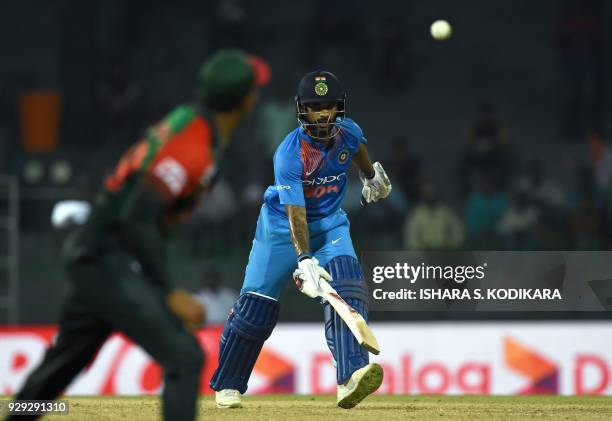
(490, 193)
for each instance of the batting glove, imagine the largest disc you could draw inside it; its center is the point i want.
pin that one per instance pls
(309, 277)
(377, 187)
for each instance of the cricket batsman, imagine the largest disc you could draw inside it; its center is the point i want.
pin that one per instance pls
(117, 263)
(301, 224)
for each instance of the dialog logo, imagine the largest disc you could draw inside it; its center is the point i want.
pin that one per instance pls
(543, 374)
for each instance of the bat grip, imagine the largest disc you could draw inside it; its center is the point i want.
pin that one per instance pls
(363, 201)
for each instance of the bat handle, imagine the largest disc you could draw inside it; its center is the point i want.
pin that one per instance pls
(363, 201)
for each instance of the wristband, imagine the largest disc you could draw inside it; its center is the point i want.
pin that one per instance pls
(369, 177)
(304, 256)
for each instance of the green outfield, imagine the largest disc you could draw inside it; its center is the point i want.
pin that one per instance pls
(311, 408)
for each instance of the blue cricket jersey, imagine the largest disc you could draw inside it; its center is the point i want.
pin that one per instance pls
(308, 173)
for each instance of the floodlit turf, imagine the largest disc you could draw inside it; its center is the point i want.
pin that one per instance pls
(472, 408)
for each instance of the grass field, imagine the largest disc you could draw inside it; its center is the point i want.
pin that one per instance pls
(472, 408)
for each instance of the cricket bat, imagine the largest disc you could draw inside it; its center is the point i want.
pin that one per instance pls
(357, 325)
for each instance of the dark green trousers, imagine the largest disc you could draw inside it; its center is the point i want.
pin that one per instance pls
(108, 297)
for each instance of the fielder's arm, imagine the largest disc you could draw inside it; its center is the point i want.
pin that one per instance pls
(299, 228)
(141, 217)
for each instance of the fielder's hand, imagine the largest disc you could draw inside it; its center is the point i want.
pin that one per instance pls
(377, 187)
(186, 308)
(309, 276)
(67, 213)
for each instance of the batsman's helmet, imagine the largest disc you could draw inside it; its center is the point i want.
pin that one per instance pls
(324, 89)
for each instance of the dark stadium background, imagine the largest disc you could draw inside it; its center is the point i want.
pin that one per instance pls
(528, 79)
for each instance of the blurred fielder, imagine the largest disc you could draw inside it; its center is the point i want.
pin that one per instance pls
(116, 261)
(303, 208)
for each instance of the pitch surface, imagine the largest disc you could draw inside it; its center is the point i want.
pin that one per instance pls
(472, 408)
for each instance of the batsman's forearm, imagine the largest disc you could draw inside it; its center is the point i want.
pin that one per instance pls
(299, 228)
(362, 160)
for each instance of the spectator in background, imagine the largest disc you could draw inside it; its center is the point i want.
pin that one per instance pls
(337, 23)
(599, 174)
(586, 226)
(486, 146)
(484, 211)
(585, 184)
(544, 192)
(250, 200)
(252, 196)
(119, 100)
(600, 155)
(588, 223)
(519, 223)
(392, 56)
(432, 225)
(216, 298)
(213, 223)
(581, 47)
(406, 170)
(277, 116)
(229, 25)
(384, 218)
(8, 125)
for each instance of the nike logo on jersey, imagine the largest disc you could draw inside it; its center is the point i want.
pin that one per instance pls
(336, 240)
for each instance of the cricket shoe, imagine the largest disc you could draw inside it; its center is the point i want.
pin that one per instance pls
(362, 383)
(228, 398)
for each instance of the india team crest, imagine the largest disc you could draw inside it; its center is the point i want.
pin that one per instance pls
(343, 156)
(320, 87)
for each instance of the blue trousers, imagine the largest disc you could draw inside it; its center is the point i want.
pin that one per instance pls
(272, 259)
